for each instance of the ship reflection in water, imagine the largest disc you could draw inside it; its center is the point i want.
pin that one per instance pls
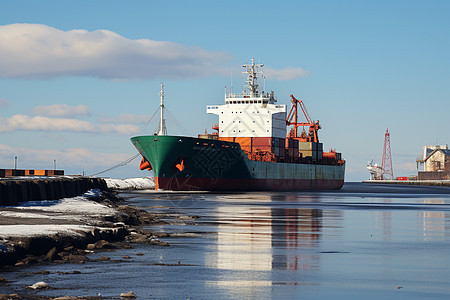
(267, 238)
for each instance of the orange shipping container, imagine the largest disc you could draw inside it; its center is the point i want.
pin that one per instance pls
(39, 172)
(244, 141)
(226, 139)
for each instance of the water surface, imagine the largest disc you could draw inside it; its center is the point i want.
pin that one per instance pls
(365, 241)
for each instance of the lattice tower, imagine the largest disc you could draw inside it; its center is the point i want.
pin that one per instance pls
(386, 166)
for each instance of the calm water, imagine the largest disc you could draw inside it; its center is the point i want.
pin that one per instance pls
(365, 241)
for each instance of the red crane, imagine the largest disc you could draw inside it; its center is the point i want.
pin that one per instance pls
(313, 126)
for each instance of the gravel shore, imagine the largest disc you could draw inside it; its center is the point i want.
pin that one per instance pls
(68, 231)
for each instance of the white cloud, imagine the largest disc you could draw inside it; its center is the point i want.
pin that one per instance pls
(40, 51)
(3, 103)
(126, 118)
(285, 74)
(61, 110)
(79, 157)
(40, 123)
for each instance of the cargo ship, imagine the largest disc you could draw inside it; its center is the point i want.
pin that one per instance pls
(250, 149)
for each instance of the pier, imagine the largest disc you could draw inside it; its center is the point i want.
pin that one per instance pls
(15, 190)
(442, 183)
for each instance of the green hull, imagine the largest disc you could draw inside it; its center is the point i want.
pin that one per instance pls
(186, 163)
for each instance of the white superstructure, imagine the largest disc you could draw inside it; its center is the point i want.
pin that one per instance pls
(251, 113)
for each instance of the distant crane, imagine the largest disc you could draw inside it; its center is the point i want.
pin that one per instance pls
(386, 165)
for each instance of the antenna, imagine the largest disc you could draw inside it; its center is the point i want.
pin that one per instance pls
(231, 83)
(162, 130)
(252, 71)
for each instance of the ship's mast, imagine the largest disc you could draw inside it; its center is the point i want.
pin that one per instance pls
(162, 130)
(252, 71)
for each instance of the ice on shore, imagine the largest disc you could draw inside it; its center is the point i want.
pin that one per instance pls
(144, 183)
(8, 231)
(65, 216)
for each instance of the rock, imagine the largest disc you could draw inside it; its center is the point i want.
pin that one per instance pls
(104, 258)
(9, 297)
(102, 244)
(90, 247)
(30, 259)
(161, 234)
(68, 249)
(124, 257)
(76, 258)
(52, 254)
(139, 238)
(3, 280)
(39, 285)
(139, 254)
(130, 294)
(43, 272)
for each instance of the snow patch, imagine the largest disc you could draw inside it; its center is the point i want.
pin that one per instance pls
(145, 183)
(75, 205)
(33, 230)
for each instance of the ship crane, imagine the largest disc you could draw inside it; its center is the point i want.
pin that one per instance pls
(313, 126)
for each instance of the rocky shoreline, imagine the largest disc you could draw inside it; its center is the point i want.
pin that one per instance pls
(119, 229)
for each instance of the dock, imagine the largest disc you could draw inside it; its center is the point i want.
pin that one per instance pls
(438, 183)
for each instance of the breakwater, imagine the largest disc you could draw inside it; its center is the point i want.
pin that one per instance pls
(13, 191)
(442, 183)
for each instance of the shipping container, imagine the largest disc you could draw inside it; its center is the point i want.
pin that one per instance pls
(226, 139)
(319, 155)
(262, 141)
(306, 153)
(308, 146)
(18, 172)
(39, 172)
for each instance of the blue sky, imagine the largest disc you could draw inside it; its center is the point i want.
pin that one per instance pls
(79, 78)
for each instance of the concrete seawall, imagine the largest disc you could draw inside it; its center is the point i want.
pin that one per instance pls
(441, 183)
(13, 191)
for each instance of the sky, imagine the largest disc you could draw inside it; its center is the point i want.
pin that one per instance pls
(79, 78)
